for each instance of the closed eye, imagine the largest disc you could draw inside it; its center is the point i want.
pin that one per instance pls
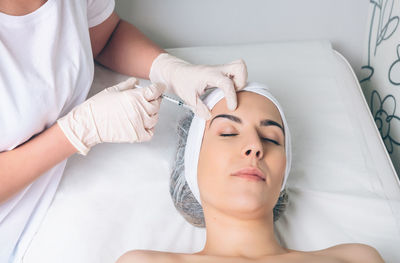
(270, 140)
(262, 138)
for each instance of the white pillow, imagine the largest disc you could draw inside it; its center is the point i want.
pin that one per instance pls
(342, 187)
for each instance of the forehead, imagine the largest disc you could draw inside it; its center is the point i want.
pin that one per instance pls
(250, 105)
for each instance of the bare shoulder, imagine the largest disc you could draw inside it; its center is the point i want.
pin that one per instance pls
(353, 253)
(144, 256)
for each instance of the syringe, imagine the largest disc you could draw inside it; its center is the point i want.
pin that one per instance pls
(177, 102)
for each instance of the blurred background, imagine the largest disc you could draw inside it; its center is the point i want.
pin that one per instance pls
(183, 23)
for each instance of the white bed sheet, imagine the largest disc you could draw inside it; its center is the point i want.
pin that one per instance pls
(342, 186)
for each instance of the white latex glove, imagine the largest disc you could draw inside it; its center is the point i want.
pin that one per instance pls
(121, 113)
(189, 81)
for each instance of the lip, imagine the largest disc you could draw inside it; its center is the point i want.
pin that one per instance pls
(251, 173)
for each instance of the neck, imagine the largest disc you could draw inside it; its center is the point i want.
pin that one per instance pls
(232, 237)
(20, 7)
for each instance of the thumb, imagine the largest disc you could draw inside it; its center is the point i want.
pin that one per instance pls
(237, 71)
(201, 109)
(226, 84)
(125, 85)
(228, 88)
(153, 91)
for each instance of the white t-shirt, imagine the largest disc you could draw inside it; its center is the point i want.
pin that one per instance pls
(46, 68)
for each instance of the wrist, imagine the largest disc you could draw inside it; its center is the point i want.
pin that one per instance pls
(79, 129)
(72, 137)
(63, 140)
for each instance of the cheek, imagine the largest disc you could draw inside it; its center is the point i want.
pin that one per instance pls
(213, 165)
(209, 162)
(276, 162)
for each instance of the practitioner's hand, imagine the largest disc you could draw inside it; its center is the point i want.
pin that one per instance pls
(190, 81)
(121, 113)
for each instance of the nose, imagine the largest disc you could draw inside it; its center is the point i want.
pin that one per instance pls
(253, 149)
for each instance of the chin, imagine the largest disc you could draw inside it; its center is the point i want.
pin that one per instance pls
(246, 205)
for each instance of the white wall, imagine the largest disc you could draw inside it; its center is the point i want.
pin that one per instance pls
(180, 23)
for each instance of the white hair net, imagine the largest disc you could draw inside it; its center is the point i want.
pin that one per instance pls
(183, 184)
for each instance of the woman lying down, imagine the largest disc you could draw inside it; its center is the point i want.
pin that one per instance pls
(230, 177)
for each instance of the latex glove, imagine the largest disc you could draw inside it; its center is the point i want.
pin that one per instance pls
(121, 113)
(190, 81)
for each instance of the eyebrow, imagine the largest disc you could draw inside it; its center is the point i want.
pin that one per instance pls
(271, 122)
(265, 122)
(227, 116)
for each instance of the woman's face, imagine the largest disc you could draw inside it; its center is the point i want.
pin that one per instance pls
(242, 158)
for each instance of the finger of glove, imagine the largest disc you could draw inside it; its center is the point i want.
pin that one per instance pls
(144, 134)
(153, 92)
(237, 71)
(143, 125)
(132, 105)
(147, 135)
(150, 122)
(201, 110)
(125, 85)
(152, 107)
(227, 86)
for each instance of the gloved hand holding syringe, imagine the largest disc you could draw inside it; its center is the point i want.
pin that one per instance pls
(175, 101)
(122, 113)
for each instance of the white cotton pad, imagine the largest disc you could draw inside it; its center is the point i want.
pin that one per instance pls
(196, 132)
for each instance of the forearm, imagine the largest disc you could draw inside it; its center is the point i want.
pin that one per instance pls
(22, 165)
(129, 51)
